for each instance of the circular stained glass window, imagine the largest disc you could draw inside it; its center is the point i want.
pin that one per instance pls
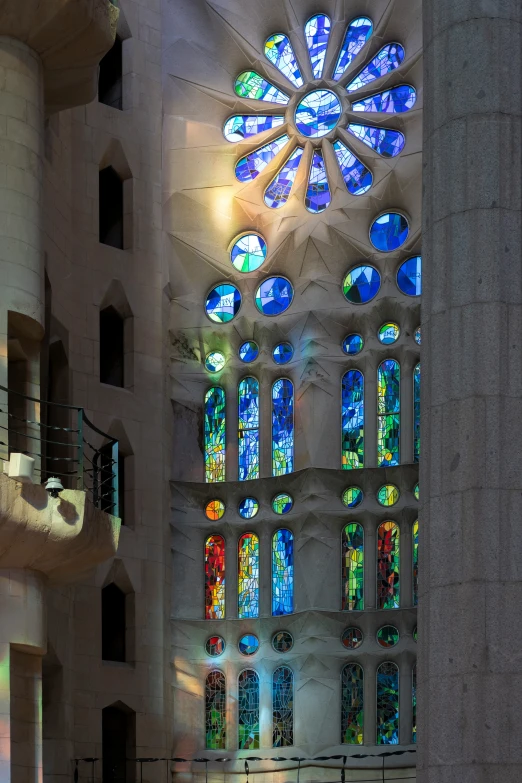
(215, 361)
(416, 491)
(223, 303)
(215, 646)
(248, 352)
(248, 644)
(389, 333)
(388, 636)
(389, 232)
(388, 495)
(248, 508)
(282, 503)
(248, 252)
(274, 296)
(417, 335)
(352, 497)
(409, 277)
(283, 353)
(361, 284)
(282, 642)
(352, 638)
(353, 344)
(214, 510)
(415, 634)
(318, 113)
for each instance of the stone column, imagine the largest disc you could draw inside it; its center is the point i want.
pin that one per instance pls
(470, 634)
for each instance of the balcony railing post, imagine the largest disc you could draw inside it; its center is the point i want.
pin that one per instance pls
(115, 480)
(79, 479)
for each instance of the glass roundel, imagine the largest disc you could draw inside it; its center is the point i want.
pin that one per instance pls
(409, 276)
(248, 508)
(214, 510)
(417, 335)
(389, 333)
(282, 642)
(248, 252)
(389, 232)
(248, 644)
(214, 646)
(352, 497)
(388, 495)
(248, 351)
(282, 503)
(274, 296)
(388, 636)
(353, 344)
(318, 113)
(361, 284)
(215, 361)
(352, 638)
(223, 303)
(416, 491)
(283, 353)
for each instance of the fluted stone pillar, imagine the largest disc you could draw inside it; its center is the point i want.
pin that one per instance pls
(470, 632)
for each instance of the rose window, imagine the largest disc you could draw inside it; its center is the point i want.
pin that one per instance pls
(312, 114)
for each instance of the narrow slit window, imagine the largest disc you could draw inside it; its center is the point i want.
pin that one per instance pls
(388, 704)
(353, 420)
(416, 412)
(282, 573)
(282, 707)
(248, 429)
(388, 413)
(388, 566)
(353, 567)
(215, 434)
(248, 710)
(215, 711)
(248, 576)
(282, 427)
(352, 705)
(215, 578)
(415, 542)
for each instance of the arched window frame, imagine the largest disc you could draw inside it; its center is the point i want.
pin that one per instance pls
(253, 612)
(359, 735)
(392, 601)
(249, 437)
(356, 461)
(285, 606)
(379, 738)
(385, 418)
(358, 603)
(415, 562)
(254, 742)
(220, 613)
(221, 743)
(289, 460)
(285, 724)
(416, 411)
(215, 463)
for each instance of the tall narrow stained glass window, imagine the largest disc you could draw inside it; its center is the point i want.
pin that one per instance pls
(353, 567)
(414, 704)
(388, 413)
(215, 578)
(352, 705)
(215, 435)
(282, 427)
(353, 420)
(416, 412)
(248, 576)
(388, 565)
(388, 704)
(248, 429)
(248, 710)
(215, 711)
(415, 536)
(282, 572)
(282, 707)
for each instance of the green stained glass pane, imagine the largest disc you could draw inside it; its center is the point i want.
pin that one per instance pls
(353, 568)
(388, 495)
(250, 84)
(388, 410)
(352, 705)
(248, 576)
(353, 420)
(215, 435)
(352, 497)
(216, 711)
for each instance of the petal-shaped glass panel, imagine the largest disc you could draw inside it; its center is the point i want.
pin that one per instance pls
(318, 196)
(318, 113)
(279, 51)
(357, 177)
(248, 252)
(386, 60)
(317, 32)
(243, 126)
(250, 84)
(388, 143)
(249, 167)
(278, 192)
(394, 101)
(357, 33)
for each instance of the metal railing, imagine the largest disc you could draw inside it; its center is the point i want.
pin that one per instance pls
(63, 442)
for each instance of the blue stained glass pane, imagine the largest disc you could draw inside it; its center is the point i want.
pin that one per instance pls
(223, 303)
(388, 410)
(248, 351)
(357, 177)
(282, 708)
(248, 508)
(248, 253)
(248, 644)
(388, 143)
(282, 427)
(353, 344)
(388, 59)
(394, 101)
(318, 113)
(248, 581)
(279, 51)
(214, 431)
(283, 353)
(317, 33)
(389, 333)
(248, 429)
(357, 33)
(248, 710)
(361, 284)
(244, 126)
(278, 192)
(417, 335)
(353, 420)
(416, 412)
(282, 573)
(389, 232)
(274, 296)
(409, 276)
(318, 195)
(388, 704)
(249, 167)
(250, 84)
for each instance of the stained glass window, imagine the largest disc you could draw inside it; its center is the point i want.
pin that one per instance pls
(244, 126)
(387, 59)
(215, 578)
(357, 178)
(388, 636)
(388, 704)
(318, 196)
(389, 232)
(416, 412)
(248, 351)
(353, 420)
(353, 344)
(388, 495)
(249, 167)
(278, 192)
(215, 646)
(386, 142)
(352, 705)
(416, 491)
(279, 51)
(388, 566)
(282, 503)
(248, 644)
(361, 284)
(352, 497)
(248, 429)
(282, 572)
(388, 413)
(282, 427)
(215, 361)
(417, 335)
(389, 333)
(415, 533)
(352, 638)
(215, 435)
(216, 711)
(352, 576)
(248, 576)
(274, 296)
(223, 303)
(317, 32)
(282, 707)
(248, 710)
(248, 252)
(282, 642)
(357, 33)
(394, 101)
(214, 510)
(414, 704)
(283, 353)
(409, 276)
(318, 113)
(250, 84)
(248, 508)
